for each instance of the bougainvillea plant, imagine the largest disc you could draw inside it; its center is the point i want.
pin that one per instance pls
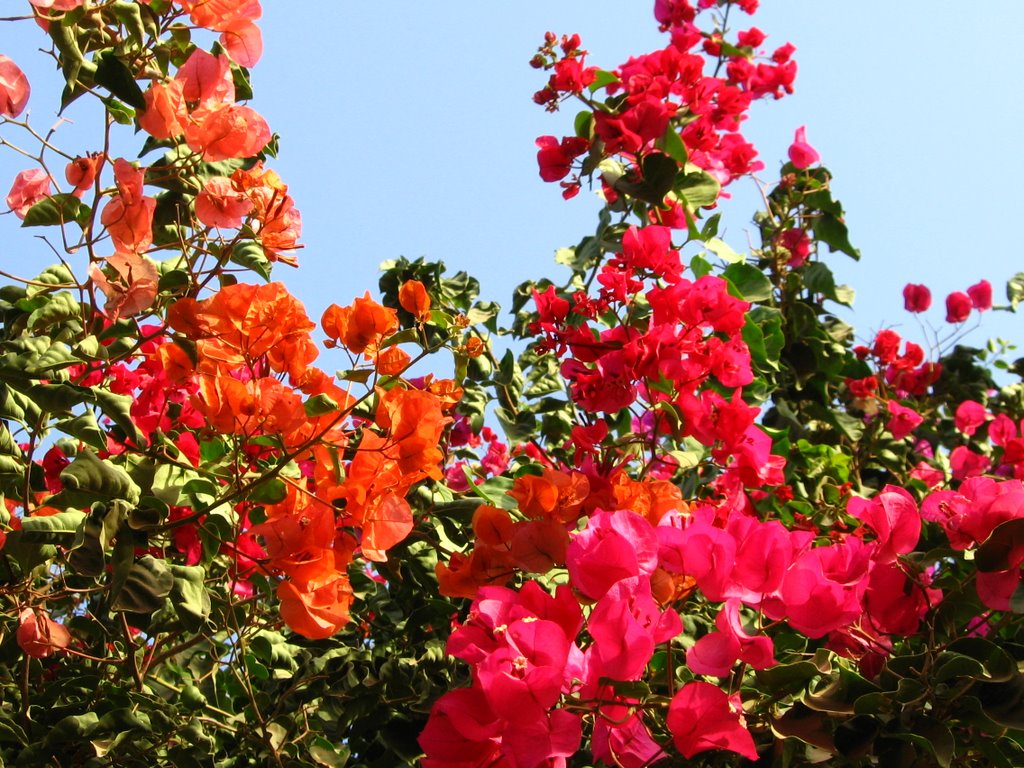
(685, 519)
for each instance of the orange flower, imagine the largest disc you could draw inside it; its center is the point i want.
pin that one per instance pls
(261, 406)
(554, 495)
(318, 609)
(648, 498)
(415, 300)
(413, 421)
(362, 325)
(392, 361)
(165, 114)
(475, 346)
(243, 325)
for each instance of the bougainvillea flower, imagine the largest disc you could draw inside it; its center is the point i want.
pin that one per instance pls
(233, 131)
(316, 610)
(363, 324)
(39, 635)
(893, 516)
(555, 159)
(703, 716)
(132, 290)
(414, 299)
(57, 5)
(894, 603)
(29, 188)
(14, 88)
(916, 298)
(206, 82)
(802, 154)
(981, 295)
(614, 546)
(716, 652)
(958, 307)
(81, 172)
(902, 420)
(244, 43)
(220, 204)
(130, 226)
(627, 744)
(165, 115)
(964, 463)
(969, 416)
(545, 741)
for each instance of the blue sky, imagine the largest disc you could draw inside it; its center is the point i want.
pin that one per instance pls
(407, 129)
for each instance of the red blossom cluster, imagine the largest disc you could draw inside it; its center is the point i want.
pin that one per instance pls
(666, 97)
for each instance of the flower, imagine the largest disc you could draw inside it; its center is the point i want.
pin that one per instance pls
(29, 188)
(39, 635)
(981, 295)
(958, 307)
(916, 298)
(802, 154)
(14, 88)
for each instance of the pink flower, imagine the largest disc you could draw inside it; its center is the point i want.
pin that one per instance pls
(802, 154)
(981, 295)
(958, 307)
(916, 298)
(220, 204)
(902, 420)
(703, 716)
(969, 416)
(893, 517)
(14, 88)
(29, 188)
(966, 463)
(134, 288)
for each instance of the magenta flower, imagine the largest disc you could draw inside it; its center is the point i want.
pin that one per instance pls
(802, 154)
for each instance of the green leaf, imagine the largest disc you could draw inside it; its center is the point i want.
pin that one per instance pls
(697, 187)
(723, 251)
(56, 210)
(148, 584)
(749, 282)
(57, 309)
(114, 75)
(832, 231)
(250, 254)
(658, 177)
(1015, 290)
(320, 405)
(130, 15)
(602, 78)
(92, 479)
(673, 145)
(189, 596)
(118, 409)
(272, 491)
(60, 529)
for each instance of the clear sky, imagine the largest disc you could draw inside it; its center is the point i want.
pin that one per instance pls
(407, 129)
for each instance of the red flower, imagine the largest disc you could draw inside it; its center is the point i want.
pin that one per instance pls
(981, 295)
(958, 307)
(916, 298)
